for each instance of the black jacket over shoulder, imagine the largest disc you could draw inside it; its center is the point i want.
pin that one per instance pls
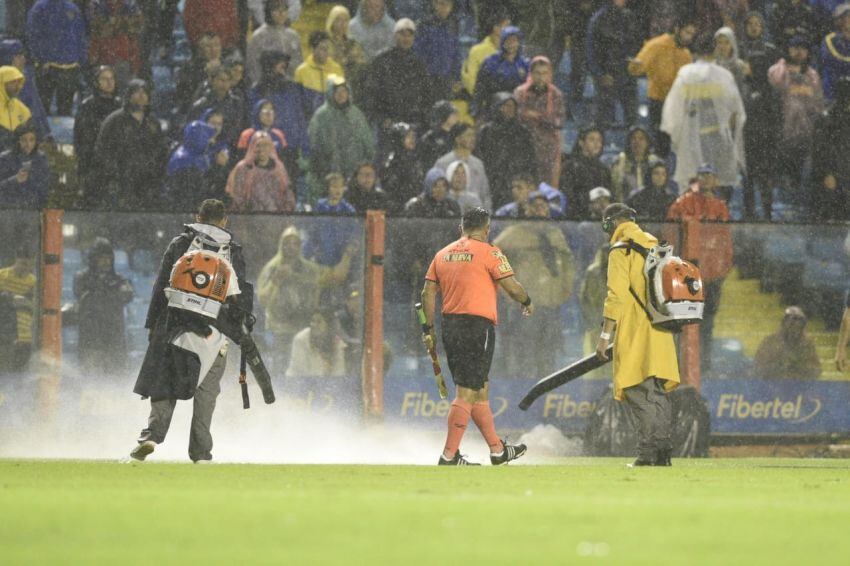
(169, 372)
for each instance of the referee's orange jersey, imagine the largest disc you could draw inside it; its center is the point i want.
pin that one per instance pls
(467, 271)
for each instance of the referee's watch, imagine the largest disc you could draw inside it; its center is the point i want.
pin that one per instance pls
(527, 301)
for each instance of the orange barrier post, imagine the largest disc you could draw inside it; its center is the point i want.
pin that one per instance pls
(51, 314)
(690, 341)
(373, 339)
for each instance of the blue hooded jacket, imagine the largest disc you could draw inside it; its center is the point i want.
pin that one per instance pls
(497, 74)
(192, 153)
(291, 102)
(29, 94)
(257, 126)
(56, 33)
(434, 174)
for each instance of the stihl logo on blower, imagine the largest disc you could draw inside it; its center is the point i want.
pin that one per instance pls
(675, 295)
(200, 283)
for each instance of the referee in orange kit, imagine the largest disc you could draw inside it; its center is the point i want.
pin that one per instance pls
(467, 272)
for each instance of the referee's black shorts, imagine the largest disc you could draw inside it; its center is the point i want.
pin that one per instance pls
(469, 342)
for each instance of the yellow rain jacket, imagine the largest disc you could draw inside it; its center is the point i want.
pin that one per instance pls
(13, 112)
(640, 350)
(314, 76)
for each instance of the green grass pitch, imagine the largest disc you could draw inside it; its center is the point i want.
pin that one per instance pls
(575, 511)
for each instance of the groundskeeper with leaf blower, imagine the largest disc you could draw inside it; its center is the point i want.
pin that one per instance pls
(200, 300)
(645, 362)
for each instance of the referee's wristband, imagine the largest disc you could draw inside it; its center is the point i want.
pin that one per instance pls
(527, 301)
(605, 335)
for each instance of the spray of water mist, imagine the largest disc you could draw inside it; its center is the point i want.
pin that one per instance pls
(98, 417)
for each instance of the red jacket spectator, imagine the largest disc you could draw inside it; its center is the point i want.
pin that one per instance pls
(715, 257)
(115, 27)
(219, 16)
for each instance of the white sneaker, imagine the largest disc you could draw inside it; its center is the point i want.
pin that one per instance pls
(143, 450)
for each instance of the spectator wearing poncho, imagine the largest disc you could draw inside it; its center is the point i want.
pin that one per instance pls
(340, 136)
(259, 183)
(541, 109)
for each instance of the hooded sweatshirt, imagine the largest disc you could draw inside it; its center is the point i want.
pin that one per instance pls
(192, 153)
(13, 112)
(426, 206)
(498, 74)
(733, 63)
(277, 136)
(29, 94)
(463, 197)
(187, 184)
(340, 137)
(374, 38)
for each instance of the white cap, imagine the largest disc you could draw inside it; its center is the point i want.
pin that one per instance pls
(598, 193)
(404, 24)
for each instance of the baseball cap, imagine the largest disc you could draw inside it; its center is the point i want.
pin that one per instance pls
(706, 168)
(599, 192)
(841, 10)
(404, 24)
(795, 312)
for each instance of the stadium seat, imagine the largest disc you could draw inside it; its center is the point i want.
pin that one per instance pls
(62, 129)
(783, 265)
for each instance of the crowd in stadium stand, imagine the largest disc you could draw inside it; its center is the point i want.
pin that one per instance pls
(394, 103)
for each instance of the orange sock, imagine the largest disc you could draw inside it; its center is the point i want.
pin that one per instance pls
(483, 417)
(458, 419)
